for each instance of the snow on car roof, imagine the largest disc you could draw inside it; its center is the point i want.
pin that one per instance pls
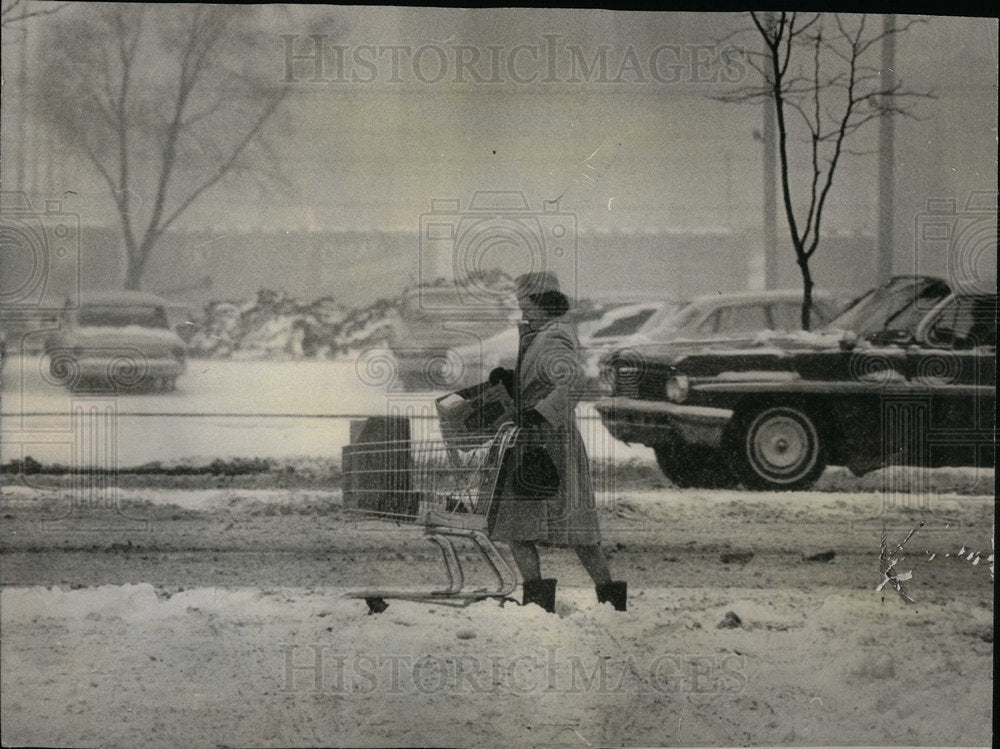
(630, 309)
(773, 295)
(122, 298)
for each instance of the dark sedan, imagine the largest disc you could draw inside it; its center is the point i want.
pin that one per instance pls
(905, 375)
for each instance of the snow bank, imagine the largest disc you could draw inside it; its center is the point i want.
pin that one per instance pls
(276, 325)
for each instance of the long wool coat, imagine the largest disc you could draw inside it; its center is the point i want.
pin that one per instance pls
(548, 378)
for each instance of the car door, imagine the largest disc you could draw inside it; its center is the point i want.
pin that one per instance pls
(739, 320)
(786, 316)
(735, 323)
(954, 361)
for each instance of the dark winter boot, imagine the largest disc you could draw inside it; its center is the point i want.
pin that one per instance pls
(542, 592)
(615, 593)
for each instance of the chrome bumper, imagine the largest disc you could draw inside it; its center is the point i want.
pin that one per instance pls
(653, 422)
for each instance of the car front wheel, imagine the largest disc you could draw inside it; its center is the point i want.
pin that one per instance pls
(779, 448)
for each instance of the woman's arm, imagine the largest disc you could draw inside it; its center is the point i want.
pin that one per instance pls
(556, 373)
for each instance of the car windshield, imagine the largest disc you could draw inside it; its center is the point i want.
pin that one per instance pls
(625, 325)
(120, 316)
(673, 318)
(899, 305)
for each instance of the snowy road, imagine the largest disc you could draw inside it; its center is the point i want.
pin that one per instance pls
(226, 409)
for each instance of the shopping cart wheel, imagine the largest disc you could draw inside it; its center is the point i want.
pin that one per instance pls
(376, 605)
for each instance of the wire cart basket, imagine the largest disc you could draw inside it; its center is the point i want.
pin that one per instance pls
(446, 486)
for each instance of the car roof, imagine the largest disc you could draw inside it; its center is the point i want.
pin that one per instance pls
(122, 298)
(631, 297)
(632, 308)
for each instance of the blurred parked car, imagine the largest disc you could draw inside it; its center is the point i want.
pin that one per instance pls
(181, 319)
(617, 327)
(118, 340)
(437, 341)
(905, 375)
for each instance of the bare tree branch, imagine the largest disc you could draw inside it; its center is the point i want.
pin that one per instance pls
(17, 11)
(816, 67)
(227, 164)
(160, 108)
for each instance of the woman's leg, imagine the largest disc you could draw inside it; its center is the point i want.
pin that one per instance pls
(535, 589)
(526, 558)
(595, 562)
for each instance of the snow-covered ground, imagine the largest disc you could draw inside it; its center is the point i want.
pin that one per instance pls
(226, 623)
(122, 666)
(227, 409)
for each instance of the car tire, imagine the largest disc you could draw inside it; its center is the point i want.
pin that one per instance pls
(694, 466)
(778, 448)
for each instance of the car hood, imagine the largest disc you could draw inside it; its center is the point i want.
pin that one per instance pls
(763, 347)
(133, 336)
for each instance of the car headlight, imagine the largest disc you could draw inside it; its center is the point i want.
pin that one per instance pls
(677, 388)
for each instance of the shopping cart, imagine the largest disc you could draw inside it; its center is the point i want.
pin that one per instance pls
(446, 486)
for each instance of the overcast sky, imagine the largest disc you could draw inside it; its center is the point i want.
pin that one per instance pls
(417, 104)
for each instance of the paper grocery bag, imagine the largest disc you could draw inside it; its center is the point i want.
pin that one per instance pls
(477, 411)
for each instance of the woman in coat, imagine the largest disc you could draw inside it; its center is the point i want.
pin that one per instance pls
(545, 390)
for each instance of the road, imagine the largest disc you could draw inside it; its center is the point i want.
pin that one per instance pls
(225, 409)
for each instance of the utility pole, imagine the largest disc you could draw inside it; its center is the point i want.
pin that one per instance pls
(728, 165)
(23, 105)
(770, 193)
(886, 154)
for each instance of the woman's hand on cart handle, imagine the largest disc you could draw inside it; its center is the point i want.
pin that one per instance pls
(529, 417)
(501, 375)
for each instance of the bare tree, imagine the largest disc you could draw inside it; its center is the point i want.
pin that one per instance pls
(818, 71)
(164, 102)
(14, 11)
